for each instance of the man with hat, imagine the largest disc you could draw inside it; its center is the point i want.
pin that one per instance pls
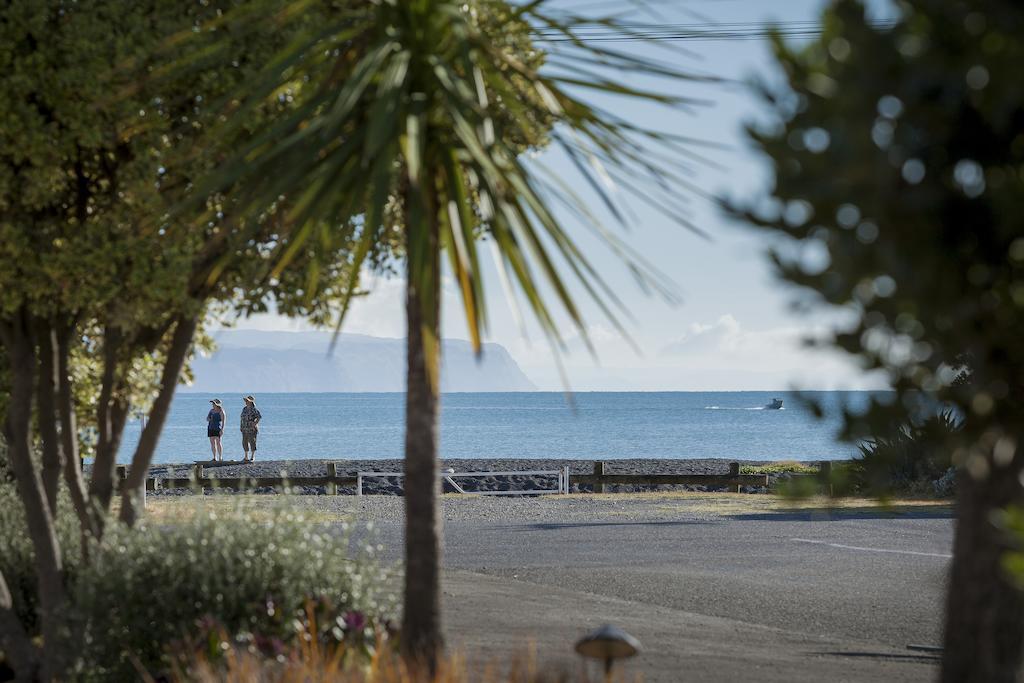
(250, 425)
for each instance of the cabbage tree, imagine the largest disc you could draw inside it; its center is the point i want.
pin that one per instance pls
(414, 116)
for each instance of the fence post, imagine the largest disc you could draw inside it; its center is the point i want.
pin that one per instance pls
(359, 483)
(599, 472)
(197, 474)
(565, 479)
(332, 482)
(734, 471)
(825, 474)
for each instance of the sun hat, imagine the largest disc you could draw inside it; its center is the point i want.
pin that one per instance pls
(215, 401)
(251, 399)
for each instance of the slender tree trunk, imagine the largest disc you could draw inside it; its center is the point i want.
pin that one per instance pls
(422, 640)
(47, 412)
(132, 495)
(16, 337)
(69, 437)
(15, 643)
(984, 610)
(111, 415)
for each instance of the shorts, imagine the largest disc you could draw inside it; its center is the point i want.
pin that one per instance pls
(210, 431)
(249, 441)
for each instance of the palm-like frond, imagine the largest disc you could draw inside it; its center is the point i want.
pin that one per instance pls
(422, 100)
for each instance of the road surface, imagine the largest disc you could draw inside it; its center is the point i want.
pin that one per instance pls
(715, 587)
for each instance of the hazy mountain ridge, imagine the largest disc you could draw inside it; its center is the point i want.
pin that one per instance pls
(255, 361)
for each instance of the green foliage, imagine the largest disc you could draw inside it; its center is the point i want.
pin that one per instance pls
(907, 460)
(101, 141)
(810, 482)
(17, 558)
(150, 586)
(791, 467)
(899, 199)
(1012, 521)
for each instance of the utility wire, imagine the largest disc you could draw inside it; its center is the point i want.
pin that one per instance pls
(690, 32)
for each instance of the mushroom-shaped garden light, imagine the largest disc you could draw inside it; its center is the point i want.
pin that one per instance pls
(608, 643)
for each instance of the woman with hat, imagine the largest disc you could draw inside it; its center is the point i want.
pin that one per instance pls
(215, 420)
(250, 425)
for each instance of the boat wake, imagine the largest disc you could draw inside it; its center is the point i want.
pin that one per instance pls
(735, 408)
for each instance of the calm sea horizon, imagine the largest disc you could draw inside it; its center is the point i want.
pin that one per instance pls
(605, 425)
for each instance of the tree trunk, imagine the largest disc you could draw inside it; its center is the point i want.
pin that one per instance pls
(421, 639)
(47, 413)
(101, 486)
(69, 437)
(17, 646)
(984, 610)
(132, 495)
(16, 337)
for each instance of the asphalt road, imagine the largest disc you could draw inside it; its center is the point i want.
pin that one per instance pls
(720, 588)
(774, 572)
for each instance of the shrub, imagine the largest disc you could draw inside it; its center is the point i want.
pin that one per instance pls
(909, 460)
(17, 558)
(5, 473)
(147, 587)
(153, 585)
(784, 467)
(1012, 522)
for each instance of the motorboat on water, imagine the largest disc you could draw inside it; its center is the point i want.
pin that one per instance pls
(776, 404)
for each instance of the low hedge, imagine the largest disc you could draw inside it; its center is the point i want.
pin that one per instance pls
(149, 588)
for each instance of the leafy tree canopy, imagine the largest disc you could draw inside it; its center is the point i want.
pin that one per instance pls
(899, 193)
(899, 179)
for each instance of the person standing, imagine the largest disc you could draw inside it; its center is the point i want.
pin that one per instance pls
(215, 421)
(250, 426)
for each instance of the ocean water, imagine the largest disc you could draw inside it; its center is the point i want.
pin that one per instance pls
(520, 425)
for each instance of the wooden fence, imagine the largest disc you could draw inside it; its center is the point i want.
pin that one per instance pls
(733, 481)
(197, 479)
(599, 479)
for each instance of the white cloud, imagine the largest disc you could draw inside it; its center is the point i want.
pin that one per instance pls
(723, 335)
(381, 313)
(271, 322)
(707, 356)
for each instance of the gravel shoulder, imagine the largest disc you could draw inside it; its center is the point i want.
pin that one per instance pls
(569, 509)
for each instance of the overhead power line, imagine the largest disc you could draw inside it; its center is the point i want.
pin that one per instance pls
(691, 32)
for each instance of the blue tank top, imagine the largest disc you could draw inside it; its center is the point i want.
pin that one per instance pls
(214, 418)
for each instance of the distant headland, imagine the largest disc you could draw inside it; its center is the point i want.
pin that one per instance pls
(263, 361)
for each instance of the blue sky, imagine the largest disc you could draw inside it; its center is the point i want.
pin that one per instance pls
(734, 329)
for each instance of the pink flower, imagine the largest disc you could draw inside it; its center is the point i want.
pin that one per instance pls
(355, 621)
